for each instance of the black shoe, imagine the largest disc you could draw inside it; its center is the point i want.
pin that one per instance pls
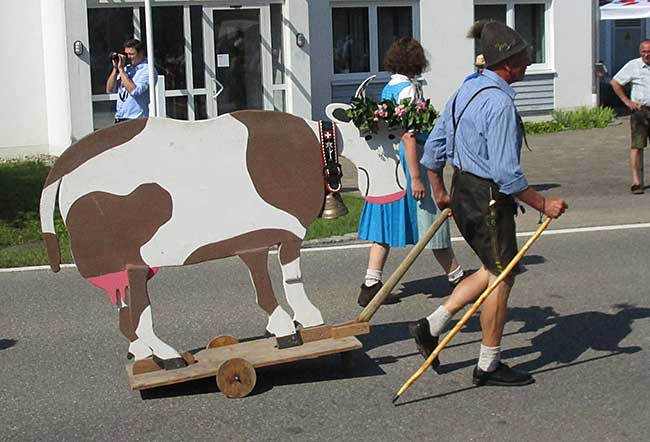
(367, 293)
(424, 340)
(636, 189)
(503, 376)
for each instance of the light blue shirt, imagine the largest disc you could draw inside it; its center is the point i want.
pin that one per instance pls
(488, 135)
(134, 104)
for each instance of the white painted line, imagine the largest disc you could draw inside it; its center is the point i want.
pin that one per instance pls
(520, 234)
(367, 245)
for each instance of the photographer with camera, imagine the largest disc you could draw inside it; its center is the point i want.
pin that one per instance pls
(130, 79)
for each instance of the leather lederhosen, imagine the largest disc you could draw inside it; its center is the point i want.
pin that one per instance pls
(489, 230)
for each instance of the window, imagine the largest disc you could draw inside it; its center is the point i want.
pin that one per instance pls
(392, 23)
(363, 34)
(529, 21)
(530, 18)
(351, 40)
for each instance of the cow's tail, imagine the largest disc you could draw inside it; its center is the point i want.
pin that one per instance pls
(48, 204)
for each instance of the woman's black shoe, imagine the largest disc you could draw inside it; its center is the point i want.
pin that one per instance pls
(503, 376)
(367, 293)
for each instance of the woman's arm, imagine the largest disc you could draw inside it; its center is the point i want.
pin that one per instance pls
(413, 164)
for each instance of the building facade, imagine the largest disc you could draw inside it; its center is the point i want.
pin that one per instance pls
(218, 56)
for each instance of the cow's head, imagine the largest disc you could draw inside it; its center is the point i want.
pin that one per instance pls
(376, 156)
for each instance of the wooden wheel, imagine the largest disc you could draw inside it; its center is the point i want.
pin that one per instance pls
(236, 378)
(222, 341)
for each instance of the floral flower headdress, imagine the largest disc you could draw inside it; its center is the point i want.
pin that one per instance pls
(409, 114)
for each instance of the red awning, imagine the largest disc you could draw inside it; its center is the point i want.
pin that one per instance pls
(625, 9)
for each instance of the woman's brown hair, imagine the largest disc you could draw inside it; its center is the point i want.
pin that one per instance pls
(406, 56)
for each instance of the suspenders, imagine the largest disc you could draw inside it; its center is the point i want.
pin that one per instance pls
(455, 120)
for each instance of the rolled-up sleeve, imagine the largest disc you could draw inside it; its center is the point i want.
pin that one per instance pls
(435, 148)
(503, 138)
(141, 80)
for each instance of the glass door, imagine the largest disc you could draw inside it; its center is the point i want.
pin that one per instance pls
(238, 60)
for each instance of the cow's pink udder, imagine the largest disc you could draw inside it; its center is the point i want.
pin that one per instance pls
(386, 199)
(116, 283)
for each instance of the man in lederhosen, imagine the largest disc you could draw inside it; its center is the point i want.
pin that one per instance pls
(480, 133)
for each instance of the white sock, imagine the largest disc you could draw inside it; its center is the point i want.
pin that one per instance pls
(438, 320)
(455, 275)
(489, 358)
(373, 276)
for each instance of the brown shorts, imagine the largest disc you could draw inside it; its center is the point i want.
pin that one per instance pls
(640, 127)
(490, 232)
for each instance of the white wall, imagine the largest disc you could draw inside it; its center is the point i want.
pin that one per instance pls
(443, 30)
(81, 110)
(23, 115)
(320, 19)
(298, 72)
(573, 36)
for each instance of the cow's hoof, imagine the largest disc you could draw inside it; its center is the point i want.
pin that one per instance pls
(293, 340)
(170, 364)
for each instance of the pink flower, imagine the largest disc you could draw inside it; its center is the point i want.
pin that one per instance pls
(384, 106)
(375, 119)
(400, 110)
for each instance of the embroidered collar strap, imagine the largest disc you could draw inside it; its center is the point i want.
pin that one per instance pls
(330, 154)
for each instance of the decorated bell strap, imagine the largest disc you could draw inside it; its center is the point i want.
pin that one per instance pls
(329, 149)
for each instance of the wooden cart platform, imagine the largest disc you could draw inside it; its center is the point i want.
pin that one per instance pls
(234, 363)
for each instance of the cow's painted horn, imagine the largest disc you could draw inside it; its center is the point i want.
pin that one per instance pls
(361, 90)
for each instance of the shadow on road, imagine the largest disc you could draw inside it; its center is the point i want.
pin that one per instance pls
(7, 343)
(568, 336)
(563, 341)
(545, 186)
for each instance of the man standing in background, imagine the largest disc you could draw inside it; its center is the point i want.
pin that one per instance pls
(637, 72)
(130, 79)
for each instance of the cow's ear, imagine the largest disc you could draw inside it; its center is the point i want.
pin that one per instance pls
(336, 112)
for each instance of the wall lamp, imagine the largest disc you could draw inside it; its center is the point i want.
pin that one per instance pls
(78, 48)
(300, 40)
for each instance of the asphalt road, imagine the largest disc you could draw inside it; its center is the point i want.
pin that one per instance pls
(579, 320)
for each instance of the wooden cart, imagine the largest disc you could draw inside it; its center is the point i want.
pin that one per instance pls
(234, 363)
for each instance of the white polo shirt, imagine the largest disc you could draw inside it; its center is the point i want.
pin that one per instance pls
(638, 73)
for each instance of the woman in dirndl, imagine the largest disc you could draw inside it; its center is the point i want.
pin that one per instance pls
(402, 222)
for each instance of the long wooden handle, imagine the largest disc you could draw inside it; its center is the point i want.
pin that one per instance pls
(472, 310)
(370, 310)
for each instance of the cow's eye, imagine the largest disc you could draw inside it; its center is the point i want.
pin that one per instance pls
(368, 137)
(391, 136)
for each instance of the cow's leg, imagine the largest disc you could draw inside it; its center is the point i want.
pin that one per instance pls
(280, 323)
(304, 312)
(137, 348)
(141, 318)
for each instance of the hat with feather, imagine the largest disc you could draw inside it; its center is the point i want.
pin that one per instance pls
(498, 41)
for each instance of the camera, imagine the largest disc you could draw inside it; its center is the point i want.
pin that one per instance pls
(114, 57)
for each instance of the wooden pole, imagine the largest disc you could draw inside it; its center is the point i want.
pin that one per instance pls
(472, 310)
(370, 310)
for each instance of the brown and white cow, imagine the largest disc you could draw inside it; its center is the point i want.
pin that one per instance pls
(155, 192)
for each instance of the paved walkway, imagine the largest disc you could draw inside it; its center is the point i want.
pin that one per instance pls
(589, 168)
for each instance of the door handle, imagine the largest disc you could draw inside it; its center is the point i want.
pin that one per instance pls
(218, 89)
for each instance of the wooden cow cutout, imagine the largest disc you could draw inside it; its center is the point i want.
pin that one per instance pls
(152, 193)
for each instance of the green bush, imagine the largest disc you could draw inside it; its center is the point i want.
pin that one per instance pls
(585, 117)
(581, 118)
(543, 127)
